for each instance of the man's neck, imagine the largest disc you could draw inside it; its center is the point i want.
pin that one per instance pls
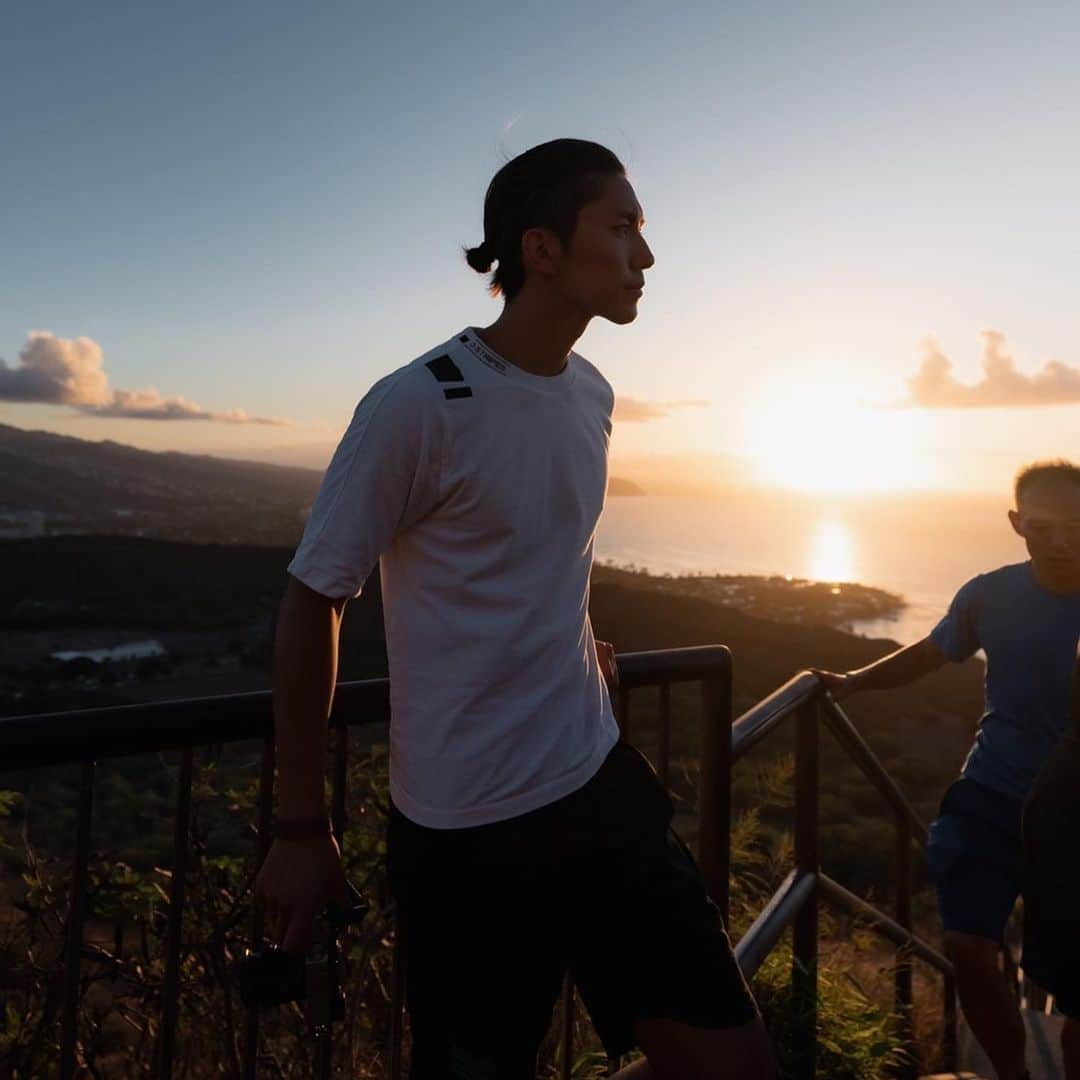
(1058, 584)
(534, 335)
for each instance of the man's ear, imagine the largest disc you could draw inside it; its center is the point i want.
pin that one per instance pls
(540, 251)
(1014, 520)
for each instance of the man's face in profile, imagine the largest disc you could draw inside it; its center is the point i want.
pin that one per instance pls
(602, 270)
(1047, 516)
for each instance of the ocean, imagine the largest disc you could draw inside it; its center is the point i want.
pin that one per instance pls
(921, 546)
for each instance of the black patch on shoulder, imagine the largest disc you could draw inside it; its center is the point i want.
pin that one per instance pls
(444, 369)
(464, 339)
(456, 392)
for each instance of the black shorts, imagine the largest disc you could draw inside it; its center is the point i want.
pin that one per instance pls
(596, 883)
(1052, 879)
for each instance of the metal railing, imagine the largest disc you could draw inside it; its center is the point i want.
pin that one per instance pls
(88, 735)
(795, 903)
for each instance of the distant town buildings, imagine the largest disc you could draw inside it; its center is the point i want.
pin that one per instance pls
(136, 650)
(21, 524)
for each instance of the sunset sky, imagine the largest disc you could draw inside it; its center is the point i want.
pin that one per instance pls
(261, 207)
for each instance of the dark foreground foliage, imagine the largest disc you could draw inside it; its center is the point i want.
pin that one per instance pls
(128, 904)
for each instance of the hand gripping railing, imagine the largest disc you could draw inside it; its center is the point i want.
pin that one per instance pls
(795, 903)
(89, 735)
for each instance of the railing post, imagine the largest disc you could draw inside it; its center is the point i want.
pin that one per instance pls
(76, 913)
(807, 861)
(663, 751)
(173, 961)
(902, 964)
(262, 846)
(714, 800)
(324, 1031)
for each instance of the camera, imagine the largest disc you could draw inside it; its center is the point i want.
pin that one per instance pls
(267, 975)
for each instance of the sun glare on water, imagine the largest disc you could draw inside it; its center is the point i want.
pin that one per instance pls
(832, 553)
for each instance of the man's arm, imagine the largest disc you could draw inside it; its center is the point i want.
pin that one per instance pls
(383, 478)
(302, 871)
(305, 673)
(897, 669)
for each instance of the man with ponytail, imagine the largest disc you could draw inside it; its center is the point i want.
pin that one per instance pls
(525, 839)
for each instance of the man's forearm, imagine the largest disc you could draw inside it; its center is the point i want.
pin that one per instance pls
(899, 668)
(305, 671)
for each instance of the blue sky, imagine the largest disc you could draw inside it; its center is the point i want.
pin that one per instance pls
(261, 206)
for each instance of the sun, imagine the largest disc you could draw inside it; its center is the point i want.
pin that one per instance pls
(820, 443)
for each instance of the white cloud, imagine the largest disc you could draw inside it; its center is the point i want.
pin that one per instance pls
(634, 410)
(54, 370)
(150, 405)
(1002, 386)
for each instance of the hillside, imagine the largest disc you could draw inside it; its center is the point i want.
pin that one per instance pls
(618, 486)
(79, 486)
(105, 487)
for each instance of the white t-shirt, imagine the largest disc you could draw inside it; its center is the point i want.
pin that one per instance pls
(478, 487)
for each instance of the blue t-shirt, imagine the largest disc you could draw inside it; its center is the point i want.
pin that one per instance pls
(1029, 636)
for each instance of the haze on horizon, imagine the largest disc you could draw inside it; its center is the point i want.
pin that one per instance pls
(226, 222)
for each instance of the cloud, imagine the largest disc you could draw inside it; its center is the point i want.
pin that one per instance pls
(150, 405)
(1002, 386)
(55, 371)
(58, 371)
(634, 410)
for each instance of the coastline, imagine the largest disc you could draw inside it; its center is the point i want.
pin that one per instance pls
(839, 606)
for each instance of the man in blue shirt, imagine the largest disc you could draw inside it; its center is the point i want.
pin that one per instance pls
(1025, 618)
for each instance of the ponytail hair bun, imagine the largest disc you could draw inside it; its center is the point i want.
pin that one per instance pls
(480, 258)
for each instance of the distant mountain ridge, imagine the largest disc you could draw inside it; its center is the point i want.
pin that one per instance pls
(145, 476)
(79, 486)
(72, 485)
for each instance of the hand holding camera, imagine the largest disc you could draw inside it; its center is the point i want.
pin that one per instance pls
(298, 878)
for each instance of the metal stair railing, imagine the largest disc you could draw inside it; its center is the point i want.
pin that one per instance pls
(795, 902)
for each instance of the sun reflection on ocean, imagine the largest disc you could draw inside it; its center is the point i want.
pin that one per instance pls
(832, 552)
